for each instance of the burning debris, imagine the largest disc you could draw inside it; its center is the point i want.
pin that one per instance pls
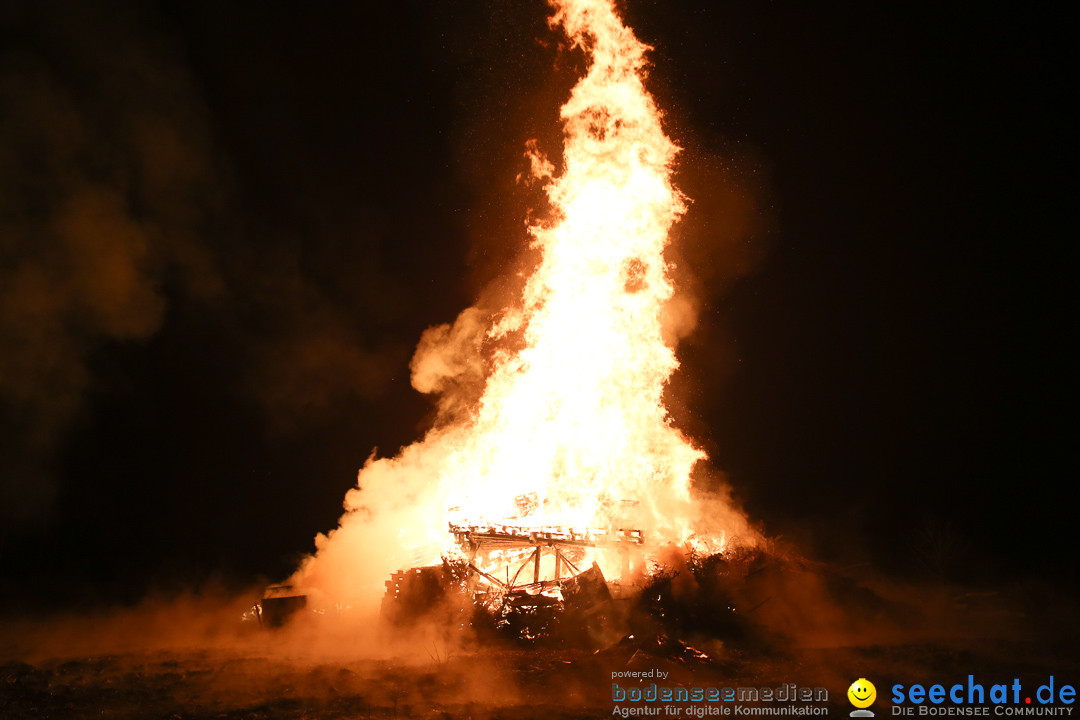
(573, 606)
(525, 603)
(649, 651)
(498, 580)
(277, 604)
(688, 610)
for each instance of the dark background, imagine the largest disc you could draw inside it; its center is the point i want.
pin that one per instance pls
(224, 227)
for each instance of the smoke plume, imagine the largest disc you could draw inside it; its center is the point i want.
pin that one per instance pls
(106, 174)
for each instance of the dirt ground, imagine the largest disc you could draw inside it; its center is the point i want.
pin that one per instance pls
(193, 659)
(264, 683)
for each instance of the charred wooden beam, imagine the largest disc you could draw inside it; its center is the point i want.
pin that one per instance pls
(483, 574)
(473, 536)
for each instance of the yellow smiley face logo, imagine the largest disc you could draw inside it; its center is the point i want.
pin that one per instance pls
(862, 693)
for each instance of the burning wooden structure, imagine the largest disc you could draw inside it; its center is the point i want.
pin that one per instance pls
(564, 544)
(524, 602)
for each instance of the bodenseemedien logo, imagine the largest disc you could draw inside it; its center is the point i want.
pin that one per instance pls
(862, 694)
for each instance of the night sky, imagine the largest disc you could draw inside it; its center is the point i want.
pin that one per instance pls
(224, 226)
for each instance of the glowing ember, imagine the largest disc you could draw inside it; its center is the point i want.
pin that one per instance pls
(570, 430)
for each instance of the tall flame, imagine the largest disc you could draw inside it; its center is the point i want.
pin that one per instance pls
(572, 413)
(576, 415)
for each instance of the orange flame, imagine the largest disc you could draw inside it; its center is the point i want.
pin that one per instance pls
(573, 419)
